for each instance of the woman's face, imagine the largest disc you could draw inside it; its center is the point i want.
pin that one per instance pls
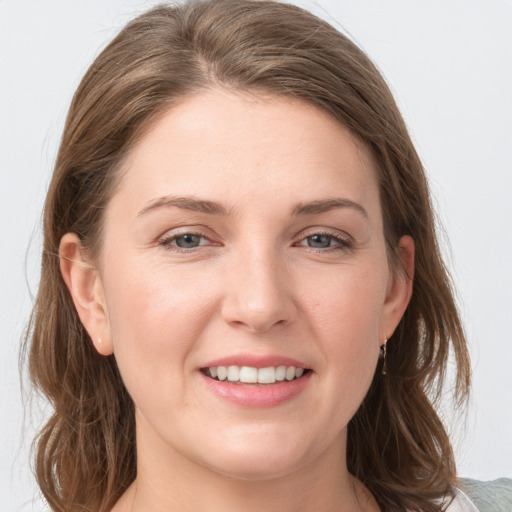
(247, 234)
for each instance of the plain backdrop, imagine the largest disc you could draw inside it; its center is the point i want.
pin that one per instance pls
(449, 65)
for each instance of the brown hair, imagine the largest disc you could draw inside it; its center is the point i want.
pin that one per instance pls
(397, 444)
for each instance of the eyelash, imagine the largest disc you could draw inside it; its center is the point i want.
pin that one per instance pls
(341, 243)
(167, 242)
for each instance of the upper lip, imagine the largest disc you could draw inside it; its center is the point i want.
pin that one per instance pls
(255, 361)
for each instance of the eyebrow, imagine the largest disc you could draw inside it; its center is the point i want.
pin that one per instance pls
(215, 208)
(325, 205)
(185, 203)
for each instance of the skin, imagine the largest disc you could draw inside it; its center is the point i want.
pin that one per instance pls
(260, 281)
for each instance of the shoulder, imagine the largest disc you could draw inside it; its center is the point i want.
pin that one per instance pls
(461, 503)
(493, 496)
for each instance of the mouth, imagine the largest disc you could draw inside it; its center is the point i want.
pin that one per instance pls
(243, 375)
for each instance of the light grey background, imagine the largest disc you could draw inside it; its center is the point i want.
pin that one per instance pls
(449, 64)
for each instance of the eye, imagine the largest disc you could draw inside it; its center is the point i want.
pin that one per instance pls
(184, 241)
(320, 241)
(325, 241)
(188, 241)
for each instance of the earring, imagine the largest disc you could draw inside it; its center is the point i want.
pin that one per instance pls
(383, 356)
(99, 341)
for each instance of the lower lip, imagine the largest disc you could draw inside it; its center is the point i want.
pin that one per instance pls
(248, 395)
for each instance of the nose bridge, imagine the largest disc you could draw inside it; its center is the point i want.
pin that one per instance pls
(258, 293)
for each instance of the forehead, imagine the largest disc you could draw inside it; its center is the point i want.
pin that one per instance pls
(241, 146)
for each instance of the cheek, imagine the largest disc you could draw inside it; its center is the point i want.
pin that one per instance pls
(345, 319)
(347, 305)
(155, 298)
(156, 316)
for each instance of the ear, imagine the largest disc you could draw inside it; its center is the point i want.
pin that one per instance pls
(399, 291)
(86, 288)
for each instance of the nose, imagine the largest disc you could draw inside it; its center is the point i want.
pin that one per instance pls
(258, 294)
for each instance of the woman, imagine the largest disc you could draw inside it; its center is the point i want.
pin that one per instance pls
(242, 302)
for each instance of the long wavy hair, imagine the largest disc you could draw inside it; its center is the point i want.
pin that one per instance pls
(397, 445)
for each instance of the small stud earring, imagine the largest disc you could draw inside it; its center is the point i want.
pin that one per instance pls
(383, 356)
(99, 341)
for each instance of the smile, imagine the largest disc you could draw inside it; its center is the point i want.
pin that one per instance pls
(251, 375)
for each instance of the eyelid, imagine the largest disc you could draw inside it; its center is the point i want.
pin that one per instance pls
(317, 230)
(169, 236)
(343, 240)
(194, 229)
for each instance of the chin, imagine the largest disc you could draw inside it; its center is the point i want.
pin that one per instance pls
(258, 457)
(260, 469)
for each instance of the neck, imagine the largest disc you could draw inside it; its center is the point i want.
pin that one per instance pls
(166, 480)
(294, 493)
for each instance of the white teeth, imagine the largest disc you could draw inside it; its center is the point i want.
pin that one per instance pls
(290, 373)
(280, 372)
(267, 375)
(222, 372)
(233, 373)
(250, 375)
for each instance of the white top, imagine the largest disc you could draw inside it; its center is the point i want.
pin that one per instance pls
(461, 503)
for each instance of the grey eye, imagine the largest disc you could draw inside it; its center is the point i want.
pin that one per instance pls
(319, 241)
(188, 241)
